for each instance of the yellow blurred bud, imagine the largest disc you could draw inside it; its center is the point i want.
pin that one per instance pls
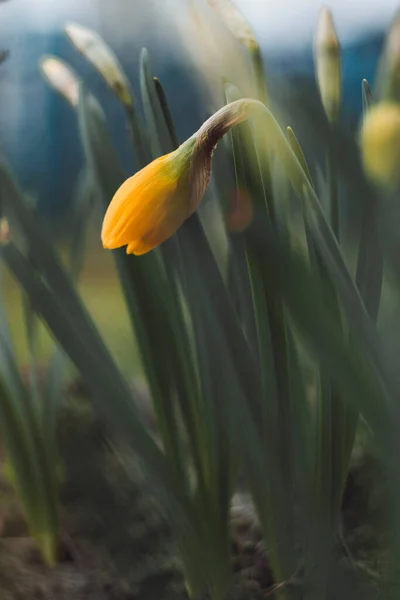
(327, 62)
(380, 144)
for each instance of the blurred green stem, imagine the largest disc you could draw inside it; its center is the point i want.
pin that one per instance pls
(341, 418)
(166, 112)
(369, 273)
(136, 135)
(333, 190)
(259, 74)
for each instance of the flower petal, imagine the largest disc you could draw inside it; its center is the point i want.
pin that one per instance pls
(137, 203)
(166, 219)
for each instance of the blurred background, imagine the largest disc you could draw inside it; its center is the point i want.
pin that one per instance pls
(190, 50)
(39, 132)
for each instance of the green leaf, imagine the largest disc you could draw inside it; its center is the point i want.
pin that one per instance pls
(367, 97)
(159, 134)
(89, 355)
(294, 144)
(211, 446)
(166, 113)
(351, 366)
(324, 239)
(32, 473)
(82, 209)
(275, 499)
(143, 278)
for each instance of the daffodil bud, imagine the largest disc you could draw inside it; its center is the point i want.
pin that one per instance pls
(61, 77)
(238, 26)
(235, 22)
(96, 51)
(151, 205)
(327, 60)
(380, 144)
(388, 77)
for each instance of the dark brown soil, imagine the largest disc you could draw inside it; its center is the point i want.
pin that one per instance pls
(116, 546)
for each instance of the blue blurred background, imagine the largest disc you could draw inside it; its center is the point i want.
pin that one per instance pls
(38, 130)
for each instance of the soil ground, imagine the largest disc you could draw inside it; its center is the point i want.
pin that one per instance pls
(116, 545)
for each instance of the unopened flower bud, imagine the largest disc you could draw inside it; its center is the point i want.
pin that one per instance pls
(151, 205)
(61, 77)
(380, 144)
(388, 72)
(97, 52)
(327, 62)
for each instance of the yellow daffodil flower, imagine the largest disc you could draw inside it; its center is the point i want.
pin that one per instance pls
(380, 144)
(151, 205)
